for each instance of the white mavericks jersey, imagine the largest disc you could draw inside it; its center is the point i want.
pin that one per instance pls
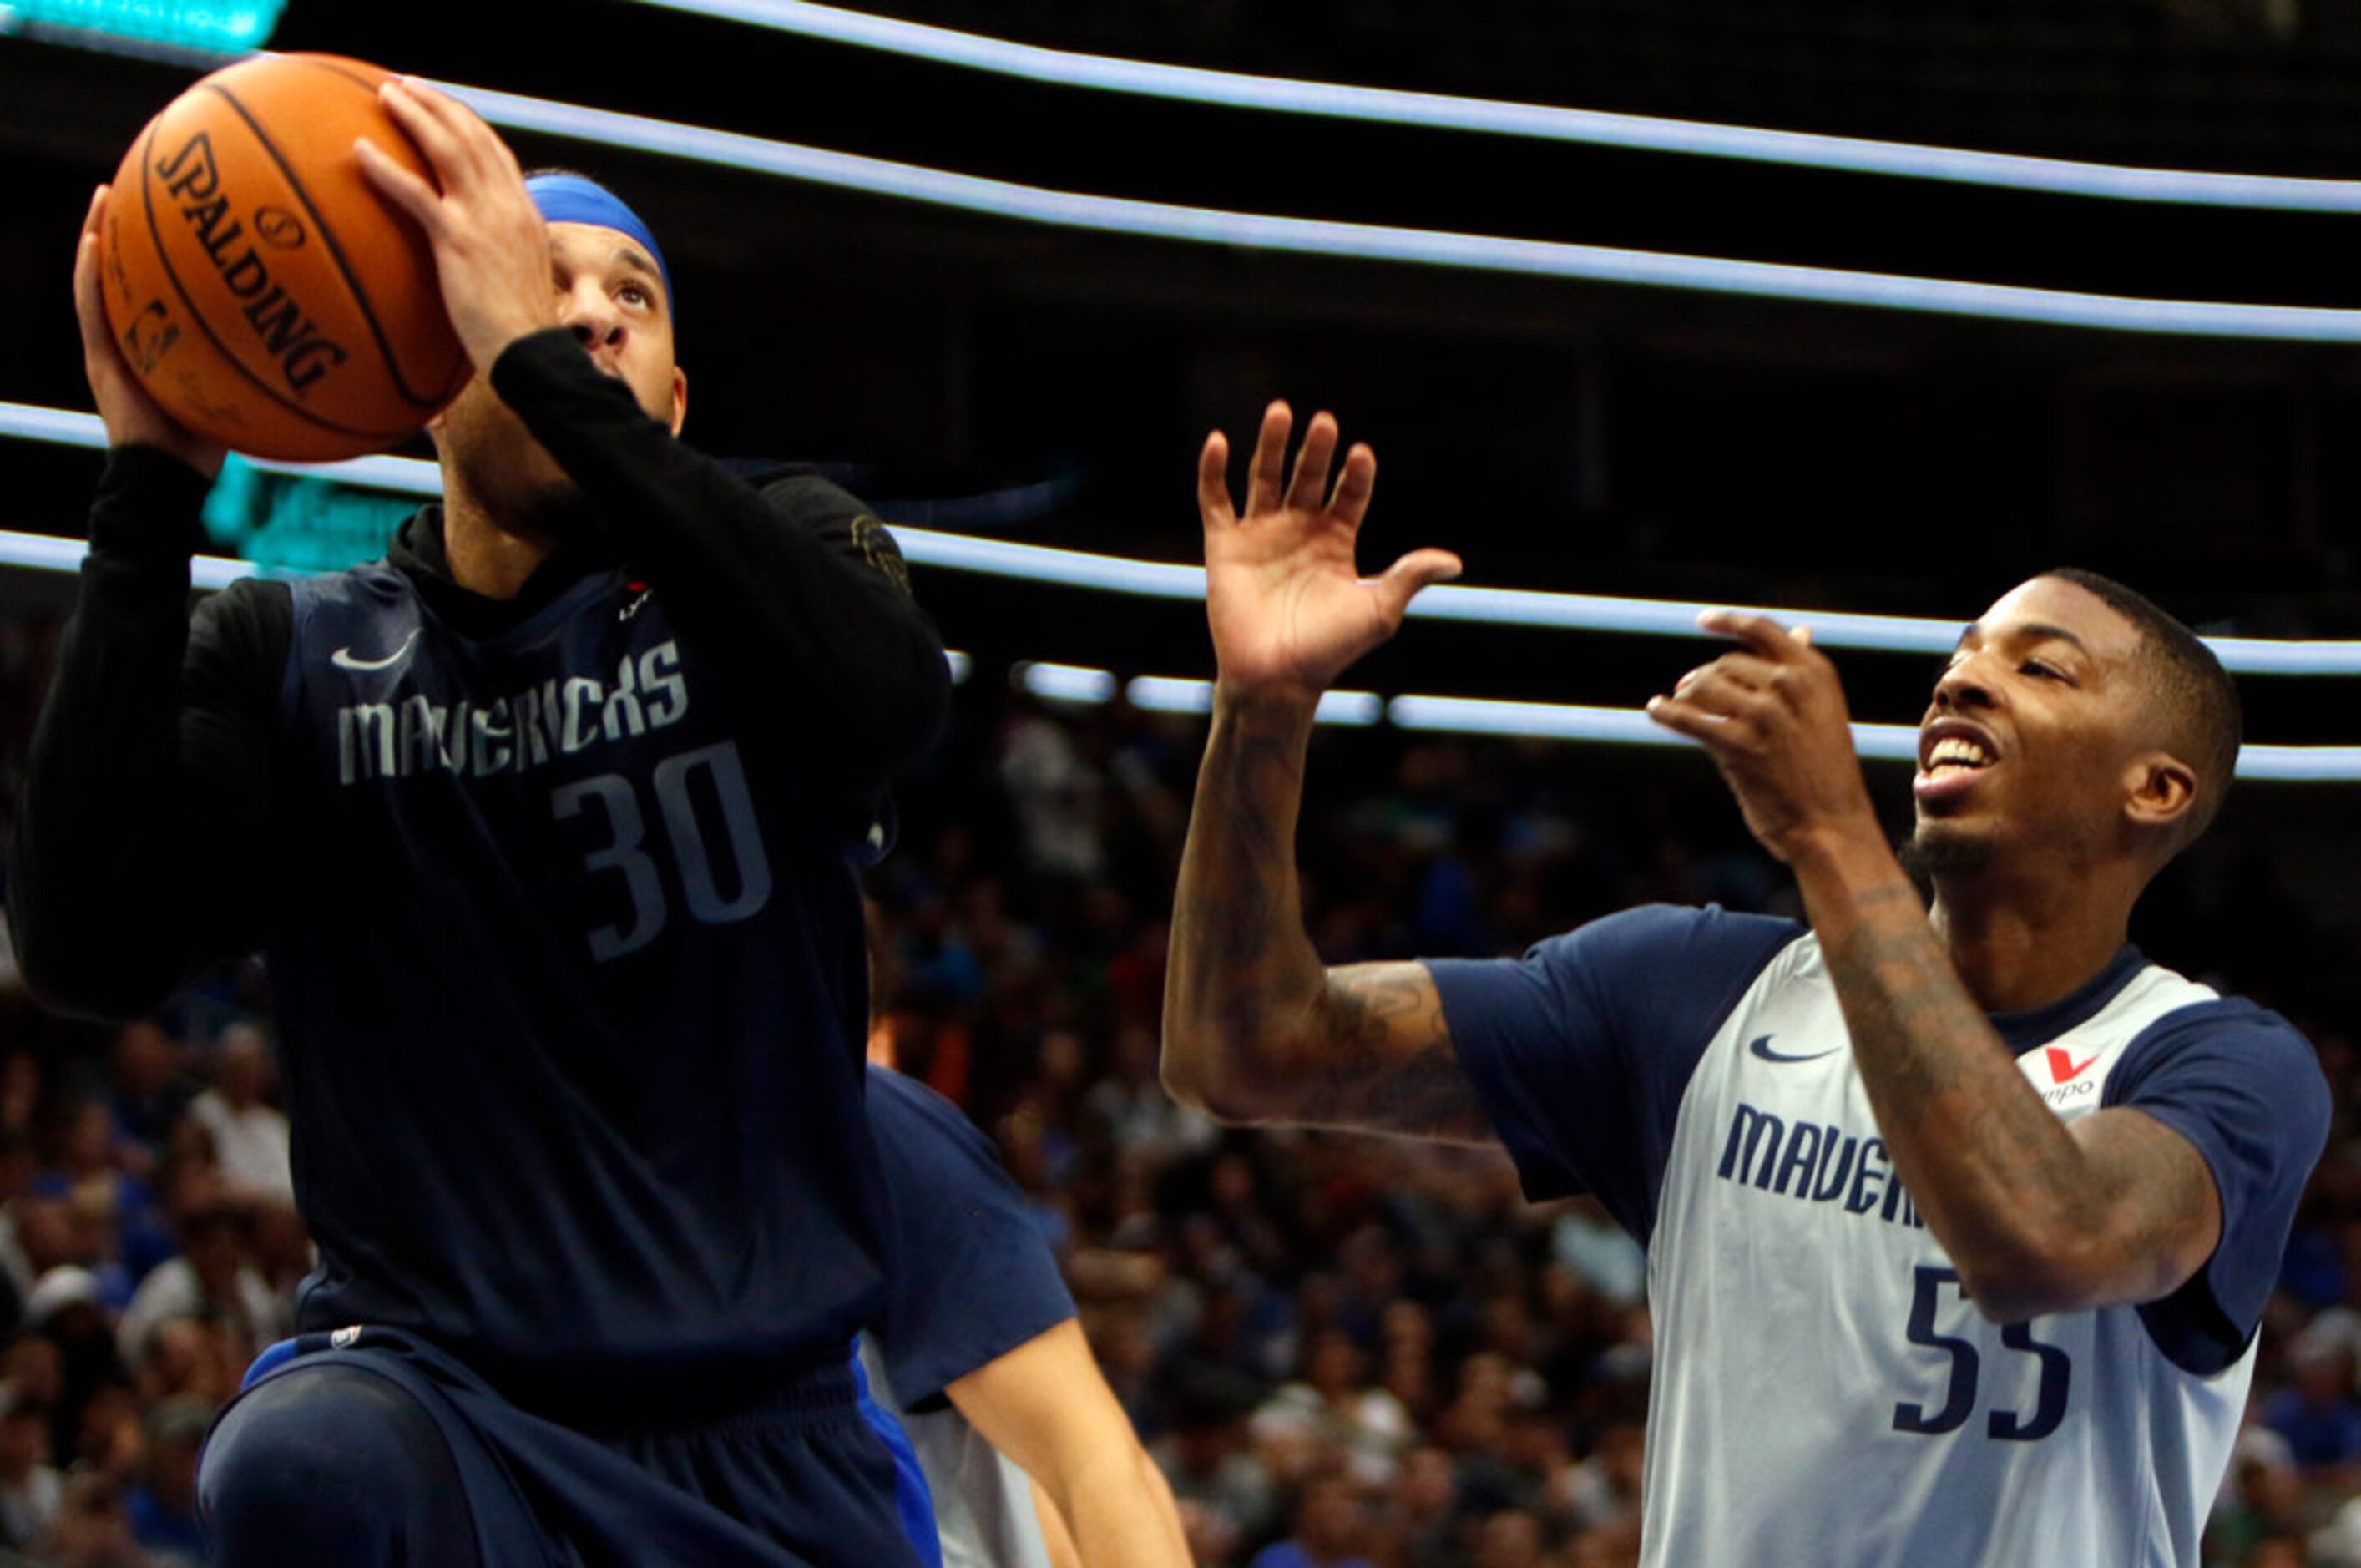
(1823, 1393)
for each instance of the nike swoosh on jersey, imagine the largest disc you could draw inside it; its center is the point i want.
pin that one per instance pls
(345, 659)
(1761, 1047)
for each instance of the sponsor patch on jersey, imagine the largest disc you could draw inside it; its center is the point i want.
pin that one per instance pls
(2064, 1069)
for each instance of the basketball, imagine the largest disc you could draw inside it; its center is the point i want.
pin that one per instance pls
(263, 292)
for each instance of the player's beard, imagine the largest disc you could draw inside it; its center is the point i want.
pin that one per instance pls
(509, 476)
(1937, 849)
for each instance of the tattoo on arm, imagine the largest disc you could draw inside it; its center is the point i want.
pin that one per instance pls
(1387, 1063)
(1252, 1015)
(1903, 1001)
(1998, 1176)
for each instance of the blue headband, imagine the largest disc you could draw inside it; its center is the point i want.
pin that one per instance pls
(571, 199)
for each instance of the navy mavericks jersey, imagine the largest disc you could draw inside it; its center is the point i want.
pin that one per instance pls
(573, 987)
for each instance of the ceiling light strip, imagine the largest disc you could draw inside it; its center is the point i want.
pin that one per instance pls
(1646, 133)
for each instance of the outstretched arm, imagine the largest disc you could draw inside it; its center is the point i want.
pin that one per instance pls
(1047, 1405)
(1255, 1027)
(2040, 1215)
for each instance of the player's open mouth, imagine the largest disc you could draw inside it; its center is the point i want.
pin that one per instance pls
(1950, 755)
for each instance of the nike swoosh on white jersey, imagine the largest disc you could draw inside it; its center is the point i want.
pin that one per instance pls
(1761, 1047)
(343, 660)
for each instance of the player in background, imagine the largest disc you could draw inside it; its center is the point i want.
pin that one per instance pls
(1960, 1221)
(549, 826)
(980, 1353)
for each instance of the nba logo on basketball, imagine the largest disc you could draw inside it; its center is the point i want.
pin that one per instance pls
(265, 293)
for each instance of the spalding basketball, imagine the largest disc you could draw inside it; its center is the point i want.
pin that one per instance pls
(264, 292)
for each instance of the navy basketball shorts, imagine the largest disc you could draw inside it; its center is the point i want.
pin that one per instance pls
(370, 1449)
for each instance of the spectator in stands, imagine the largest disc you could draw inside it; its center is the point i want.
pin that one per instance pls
(116, 1234)
(91, 1530)
(213, 1278)
(1421, 1509)
(1329, 1532)
(1367, 1425)
(1509, 1541)
(31, 1489)
(67, 1311)
(2317, 1414)
(163, 1508)
(193, 1358)
(249, 1137)
(1056, 792)
(16, 1270)
(145, 1093)
(1603, 1489)
(1205, 1454)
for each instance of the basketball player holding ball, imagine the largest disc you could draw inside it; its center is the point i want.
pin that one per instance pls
(548, 825)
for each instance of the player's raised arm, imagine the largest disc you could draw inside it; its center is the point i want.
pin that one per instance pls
(1255, 1027)
(144, 800)
(841, 664)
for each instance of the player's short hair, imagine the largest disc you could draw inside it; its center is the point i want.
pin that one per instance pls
(2193, 698)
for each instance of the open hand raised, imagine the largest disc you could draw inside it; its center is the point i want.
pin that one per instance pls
(1287, 607)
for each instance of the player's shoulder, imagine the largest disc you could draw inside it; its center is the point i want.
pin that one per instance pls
(914, 1123)
(368, 591)
(2229, 1025)
(803, 496)
(248, 625)
(799, 491)
(2208, 1044)
(900, 1096)
(247, 601)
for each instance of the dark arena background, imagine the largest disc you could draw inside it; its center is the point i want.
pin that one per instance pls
(1871, 308)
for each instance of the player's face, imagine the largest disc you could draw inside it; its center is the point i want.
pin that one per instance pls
(2027, 742)
(610, 296)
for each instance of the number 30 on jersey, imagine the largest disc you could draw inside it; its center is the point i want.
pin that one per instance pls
(713, 773)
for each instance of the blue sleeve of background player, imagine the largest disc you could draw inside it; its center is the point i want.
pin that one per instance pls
(971, 1278)
(2245, 1088)
(1581, 1051)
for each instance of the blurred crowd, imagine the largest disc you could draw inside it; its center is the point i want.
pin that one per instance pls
(1348, 1350)
(150, 1247)
(1342, 1350)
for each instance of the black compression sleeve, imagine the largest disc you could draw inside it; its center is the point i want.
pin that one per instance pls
(137, 853)
(816, 620)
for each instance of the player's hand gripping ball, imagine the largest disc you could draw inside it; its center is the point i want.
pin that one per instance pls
(258, 286)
